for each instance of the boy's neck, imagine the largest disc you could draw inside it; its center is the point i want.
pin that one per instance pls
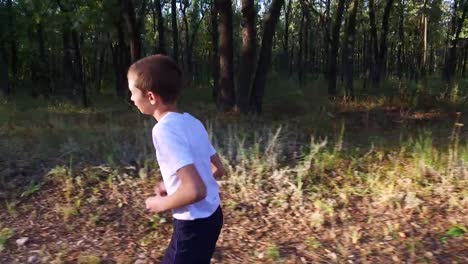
(164, 109)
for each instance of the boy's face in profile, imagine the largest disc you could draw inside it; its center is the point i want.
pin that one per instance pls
(144, 102)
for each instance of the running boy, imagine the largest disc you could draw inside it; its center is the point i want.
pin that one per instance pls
(188, 162)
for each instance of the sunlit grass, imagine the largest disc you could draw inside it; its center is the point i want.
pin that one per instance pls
(307, 162)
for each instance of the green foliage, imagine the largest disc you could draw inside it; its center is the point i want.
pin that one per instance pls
(5, 234)
(273, 252)
(454, 231)
(31, 189)
(98, 24)
(313, 243)
(155, 221)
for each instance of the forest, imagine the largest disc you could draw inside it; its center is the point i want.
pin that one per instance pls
(340, 124)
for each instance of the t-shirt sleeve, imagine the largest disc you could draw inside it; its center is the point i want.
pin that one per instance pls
(212, 150)
(173, 148)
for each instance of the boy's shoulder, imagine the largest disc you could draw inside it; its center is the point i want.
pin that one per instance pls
(171, 122)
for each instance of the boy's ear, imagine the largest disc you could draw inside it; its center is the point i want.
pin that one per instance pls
(153, 98)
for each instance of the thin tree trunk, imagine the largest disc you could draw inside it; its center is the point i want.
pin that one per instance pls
(306, 59)
(116, 63)
(12, 39)
(431, 59)
(326, 38)
(93, 71)
(312, 51)
(4, 74)
(423, 49)
(187, 50)
(401, 40)
(382, 66)
(44, 64)
(68, 73)
(335, 41)
(291, 59)
(121, 61)
(129, 16)
(154, 17)
(215, 54)
(162, 45)
(465, 57)
(374, 58)
(193, 37)
(175, 31)
(258, 90)
(100, 68)
(226, 96)
(457, 23)
(349, 49)
(287, 20)
(73, 61)
(248, 54)
(78, 68)
(300, 70)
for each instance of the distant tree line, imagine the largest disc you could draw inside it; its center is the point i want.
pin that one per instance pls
(74, 48)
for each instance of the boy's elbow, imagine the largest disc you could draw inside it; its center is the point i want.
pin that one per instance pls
(200, 193)
(219, 173)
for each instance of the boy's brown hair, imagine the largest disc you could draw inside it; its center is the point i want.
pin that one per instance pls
(158, 74)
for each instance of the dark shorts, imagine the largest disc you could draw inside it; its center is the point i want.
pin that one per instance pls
(194, 241)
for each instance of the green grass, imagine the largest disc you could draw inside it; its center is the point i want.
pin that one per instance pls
(5, 234)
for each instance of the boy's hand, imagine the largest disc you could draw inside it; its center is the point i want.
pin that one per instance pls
(160, 189)
(155, 204)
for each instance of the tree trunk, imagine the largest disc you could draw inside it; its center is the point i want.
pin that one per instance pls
(128, 14)
(162, 45)
(326, 37)
(12, 39)
(401, 40)
(382, 60)
(291, 59)
(4, 74)
(423, 48)
(349, 49)
(335, 41)
(44, 63)
(424, 44)
(196, 22)
(215, 54)
(287, 21)
(100, 68)
(432, 62)
(465, 57)
(188, 65)
(300, 57)
(380, 53)
(117, 73)
(68, 73)
(121, 62)
(258, 90)
(306, 59)
(226, 96)
(248, 54)
(78, 68)
(374, 58)
(457, 24)
(175, 31)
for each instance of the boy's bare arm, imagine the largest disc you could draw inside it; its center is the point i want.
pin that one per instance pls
(216, 166)
(191, 190)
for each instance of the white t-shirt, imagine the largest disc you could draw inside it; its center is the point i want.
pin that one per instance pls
(180, 140)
